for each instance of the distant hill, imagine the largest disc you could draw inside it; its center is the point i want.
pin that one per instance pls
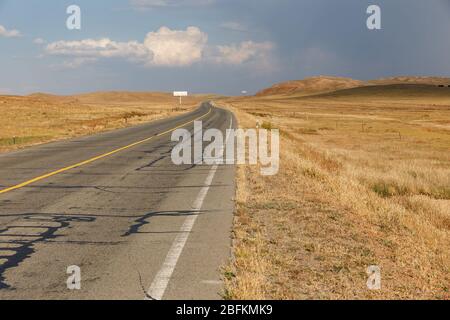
(102, 97)
(110, 98)
(411, 80)
(310, 86)
(122, 97)
(402, 91)
(51, 98)
(106, 97)
(324, 84)
(41, 95)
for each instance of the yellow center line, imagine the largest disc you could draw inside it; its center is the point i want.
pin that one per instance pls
(26, 183)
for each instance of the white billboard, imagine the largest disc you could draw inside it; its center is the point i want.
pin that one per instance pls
(180, 93)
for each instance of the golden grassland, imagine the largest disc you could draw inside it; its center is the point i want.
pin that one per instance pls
(39, 118)
(364, 180)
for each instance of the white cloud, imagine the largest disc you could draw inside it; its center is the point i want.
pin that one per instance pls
(9, 33)
(147, 4)
(176, 47)
(77, 62)
(165, 47)
(39, 41)
(106, 48)
(244, 52)
(234, 26)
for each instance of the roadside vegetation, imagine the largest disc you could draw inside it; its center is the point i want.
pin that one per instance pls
(39, 118)
(364, 180)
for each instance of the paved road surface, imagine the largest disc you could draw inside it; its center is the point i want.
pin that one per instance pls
(137, 225)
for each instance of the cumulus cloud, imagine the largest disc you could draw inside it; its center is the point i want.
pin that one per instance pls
(9, 33)
(39, 41)
(244, 52)
(176, 47)
(164, 47)
(106, 48)
(234, 26)
(77, 62)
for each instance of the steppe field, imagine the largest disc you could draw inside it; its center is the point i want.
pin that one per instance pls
(39, 118)
(364, 180)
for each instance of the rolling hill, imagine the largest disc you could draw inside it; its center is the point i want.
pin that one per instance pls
(390, 91)
(310, 86)
(326, 85)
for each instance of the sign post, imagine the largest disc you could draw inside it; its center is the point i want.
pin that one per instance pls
(180, 94)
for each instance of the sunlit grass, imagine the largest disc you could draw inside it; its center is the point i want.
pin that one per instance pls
(368, 180)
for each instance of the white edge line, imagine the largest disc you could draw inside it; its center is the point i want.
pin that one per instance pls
(162, 278)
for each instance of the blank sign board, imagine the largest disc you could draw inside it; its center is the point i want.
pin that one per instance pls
(180, 93)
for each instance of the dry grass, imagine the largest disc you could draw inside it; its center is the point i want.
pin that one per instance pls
(42, 118)
(364, 180)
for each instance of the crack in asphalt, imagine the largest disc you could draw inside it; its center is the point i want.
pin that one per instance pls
(25, 246)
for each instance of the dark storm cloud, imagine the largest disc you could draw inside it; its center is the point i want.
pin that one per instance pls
(330, 37)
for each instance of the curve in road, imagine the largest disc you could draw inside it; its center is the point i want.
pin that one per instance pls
(115, 205)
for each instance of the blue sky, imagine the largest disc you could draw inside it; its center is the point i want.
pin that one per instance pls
(220, 46)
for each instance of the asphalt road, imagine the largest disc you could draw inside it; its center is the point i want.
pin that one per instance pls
(114, 204)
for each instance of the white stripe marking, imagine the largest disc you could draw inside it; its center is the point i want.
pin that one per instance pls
(159, 284)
